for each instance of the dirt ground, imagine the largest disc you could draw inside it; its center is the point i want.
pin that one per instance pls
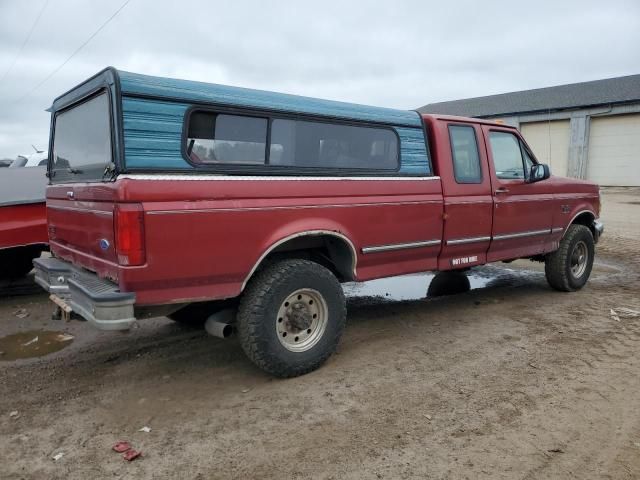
(513, 380)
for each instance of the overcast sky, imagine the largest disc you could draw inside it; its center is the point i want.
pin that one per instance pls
(400, 54)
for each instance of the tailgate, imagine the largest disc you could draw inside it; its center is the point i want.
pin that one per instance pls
(82, 231)
(80, 201)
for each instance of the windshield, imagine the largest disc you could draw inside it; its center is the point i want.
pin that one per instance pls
(82, 142)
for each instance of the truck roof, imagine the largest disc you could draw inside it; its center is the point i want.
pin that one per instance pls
(455, 118)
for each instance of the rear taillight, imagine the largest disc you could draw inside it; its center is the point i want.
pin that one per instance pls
(128, 223)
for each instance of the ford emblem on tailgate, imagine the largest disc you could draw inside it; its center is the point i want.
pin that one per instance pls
(104, 243)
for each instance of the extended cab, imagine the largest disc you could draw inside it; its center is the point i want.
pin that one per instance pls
(180, 198)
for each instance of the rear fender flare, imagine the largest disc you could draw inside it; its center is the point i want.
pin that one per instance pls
(303, 233)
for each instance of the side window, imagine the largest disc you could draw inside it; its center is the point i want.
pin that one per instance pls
(507, 155)
(528, 161)
(464, 149)
(324, 145)
(231, 139)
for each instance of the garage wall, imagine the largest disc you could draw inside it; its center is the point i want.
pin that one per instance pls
(550, 143)
(614, 150)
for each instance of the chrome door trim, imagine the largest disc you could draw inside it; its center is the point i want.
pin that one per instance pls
(532, 233)
(400, 246)
(463, 241)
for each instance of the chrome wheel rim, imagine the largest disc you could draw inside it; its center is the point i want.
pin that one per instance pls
(301, 320)
(579, 259)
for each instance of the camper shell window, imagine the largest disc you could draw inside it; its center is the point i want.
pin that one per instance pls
(327, 145)
(228, 139)
(225, 139)
(82, 147)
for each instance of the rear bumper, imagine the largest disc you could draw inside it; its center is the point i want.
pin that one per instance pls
(598, 228)
(97, 300)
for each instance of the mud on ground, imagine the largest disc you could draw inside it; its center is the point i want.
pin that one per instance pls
(512, 380)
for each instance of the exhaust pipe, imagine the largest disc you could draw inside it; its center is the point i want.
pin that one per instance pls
(219, 324)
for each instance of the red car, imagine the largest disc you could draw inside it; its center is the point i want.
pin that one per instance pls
(23, 220)
(172, 197)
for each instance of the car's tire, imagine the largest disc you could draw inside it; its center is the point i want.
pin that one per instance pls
(17, 262)
(190, 317)
(568, 268)
(195, 315)
(291, 317)
(448, 282)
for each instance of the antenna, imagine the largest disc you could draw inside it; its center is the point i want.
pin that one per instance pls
(36, 149)
(549, 136)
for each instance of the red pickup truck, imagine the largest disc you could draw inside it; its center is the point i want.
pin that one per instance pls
(171, 197)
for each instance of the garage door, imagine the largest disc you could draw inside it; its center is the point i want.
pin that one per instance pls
(614, 150)
(550, 143)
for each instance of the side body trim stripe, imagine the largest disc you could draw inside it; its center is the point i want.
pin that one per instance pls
(400, 246)
(532, 233)
(246, 178)
(463, 241)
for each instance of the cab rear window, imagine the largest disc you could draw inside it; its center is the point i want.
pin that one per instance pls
(82, 141)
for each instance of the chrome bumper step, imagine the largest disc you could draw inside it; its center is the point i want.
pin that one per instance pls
(96, 299)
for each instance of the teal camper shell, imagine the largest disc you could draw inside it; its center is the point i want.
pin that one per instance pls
(148, 117)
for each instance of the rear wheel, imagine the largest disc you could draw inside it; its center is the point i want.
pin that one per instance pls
(291, 317)
(17, 262)
(195, 315)
(568, 268)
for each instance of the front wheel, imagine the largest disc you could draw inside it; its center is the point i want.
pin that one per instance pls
(291, 317)
(568, 268)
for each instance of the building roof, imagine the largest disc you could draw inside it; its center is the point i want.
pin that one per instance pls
(575, 95)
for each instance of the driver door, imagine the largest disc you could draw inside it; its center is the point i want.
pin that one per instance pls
(522, 211)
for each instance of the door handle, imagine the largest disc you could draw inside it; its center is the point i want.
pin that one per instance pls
(502, 190)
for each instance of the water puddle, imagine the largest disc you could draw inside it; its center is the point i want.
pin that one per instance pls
(428, 285)
(35, 343)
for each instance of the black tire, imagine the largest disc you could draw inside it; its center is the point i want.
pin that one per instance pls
(263, 299)
(449, 282)
(17, 262)
(195, 315)
(558, 265)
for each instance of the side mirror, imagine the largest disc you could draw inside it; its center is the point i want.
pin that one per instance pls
(539, 172)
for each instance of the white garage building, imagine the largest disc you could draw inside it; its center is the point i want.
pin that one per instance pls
(585, 130)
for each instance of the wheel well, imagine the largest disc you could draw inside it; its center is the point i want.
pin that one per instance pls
(331, 251)
(586, 219)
